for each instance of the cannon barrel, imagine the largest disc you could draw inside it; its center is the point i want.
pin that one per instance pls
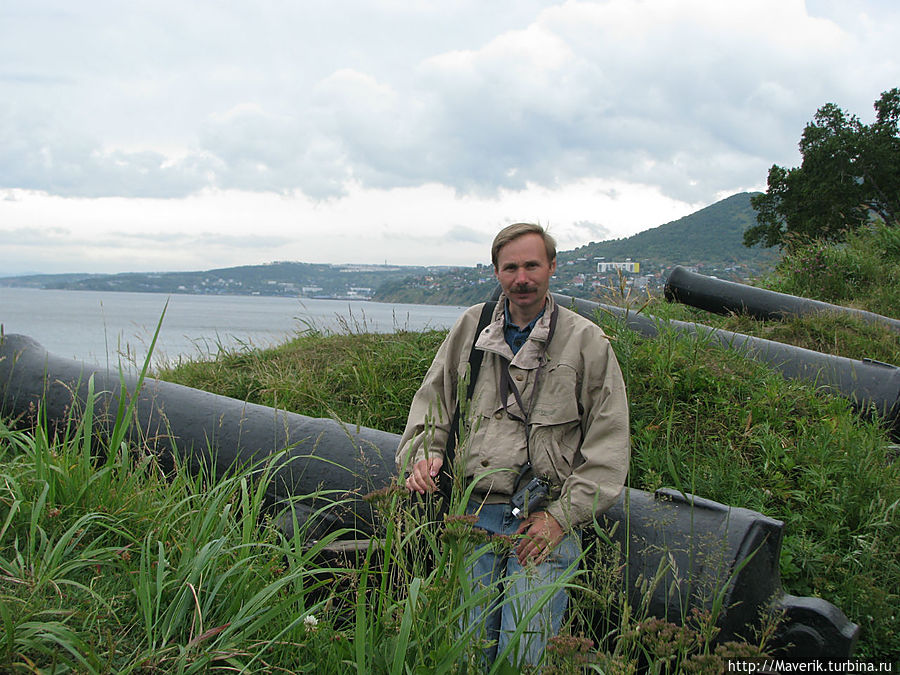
(870, 386)
(707, 549)
(203, 429)
(710, 553)
(723, 297)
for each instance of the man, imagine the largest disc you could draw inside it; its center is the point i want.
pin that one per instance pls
(549, 403)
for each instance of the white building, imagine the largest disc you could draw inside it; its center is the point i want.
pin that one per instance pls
(604, 267)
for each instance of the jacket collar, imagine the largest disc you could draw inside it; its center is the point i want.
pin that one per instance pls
(492, 338)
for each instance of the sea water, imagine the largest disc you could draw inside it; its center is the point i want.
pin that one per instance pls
(108, 327)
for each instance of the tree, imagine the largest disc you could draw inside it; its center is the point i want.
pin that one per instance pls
(850, 173)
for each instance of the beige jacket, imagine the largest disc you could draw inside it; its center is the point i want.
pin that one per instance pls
(579, 419)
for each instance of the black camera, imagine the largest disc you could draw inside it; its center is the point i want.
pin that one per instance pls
(530, 497)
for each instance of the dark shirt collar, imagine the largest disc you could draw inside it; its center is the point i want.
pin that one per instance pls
(515, 336)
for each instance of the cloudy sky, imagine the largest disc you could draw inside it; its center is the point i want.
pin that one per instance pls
(170, 135)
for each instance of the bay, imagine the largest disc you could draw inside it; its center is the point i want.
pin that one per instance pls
(112, 328)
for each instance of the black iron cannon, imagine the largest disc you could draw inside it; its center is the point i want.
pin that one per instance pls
(871, 387)
(724, 297)
(705, 554)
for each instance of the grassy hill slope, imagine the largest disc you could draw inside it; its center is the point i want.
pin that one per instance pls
(110, 566)
(713, 235)
(703, 419)
(711, 238)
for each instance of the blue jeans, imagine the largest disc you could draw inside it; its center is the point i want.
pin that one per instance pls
(515, 590)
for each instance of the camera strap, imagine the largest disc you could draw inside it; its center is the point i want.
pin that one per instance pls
(475, 358)
(507, 385)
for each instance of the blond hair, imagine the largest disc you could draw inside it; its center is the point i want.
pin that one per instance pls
(516, 230)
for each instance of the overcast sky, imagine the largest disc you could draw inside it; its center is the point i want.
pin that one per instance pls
(172, 135)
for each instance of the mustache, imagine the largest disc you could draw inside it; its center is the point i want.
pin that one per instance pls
(523, 288)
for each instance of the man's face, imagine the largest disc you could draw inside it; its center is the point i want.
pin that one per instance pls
(524, 274)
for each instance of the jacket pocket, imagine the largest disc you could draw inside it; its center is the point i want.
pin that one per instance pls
(556, 424)
(495, 450)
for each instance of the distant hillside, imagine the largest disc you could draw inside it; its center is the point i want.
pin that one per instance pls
(278, 278)
(710, 236)
(710, 239)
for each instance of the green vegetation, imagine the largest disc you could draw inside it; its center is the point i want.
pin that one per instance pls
(712, 236)
(849, 175)
(277, 278)
(712, 423)
(862, 272)
(108, 567)
(359, 378)
(462, 286)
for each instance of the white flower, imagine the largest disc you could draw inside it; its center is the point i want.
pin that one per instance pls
(310, 622)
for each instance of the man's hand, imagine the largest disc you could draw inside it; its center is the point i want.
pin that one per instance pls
(542, 533)
(424, 472)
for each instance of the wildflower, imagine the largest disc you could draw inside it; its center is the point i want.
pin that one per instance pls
(703, 663)
(503, 544)
(740, 650)
(666, 640)
(615, 665)
(310, 622)
(462, 528)
(385, 493)
(459, 528)
(381, 500)
(576, 649)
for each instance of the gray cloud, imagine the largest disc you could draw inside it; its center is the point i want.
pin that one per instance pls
(588, 231)
(32, 236)
(189, 240)
(248, 241)
(696, 98)
(469, 235)
(51, 155)
(458, 235)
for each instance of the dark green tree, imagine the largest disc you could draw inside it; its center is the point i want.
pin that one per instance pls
(850, 173)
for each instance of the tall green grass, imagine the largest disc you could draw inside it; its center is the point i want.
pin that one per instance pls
(110, 567)
(359, 378)
(107, 565)
(863, 271)
(712, 423)
(705, 420)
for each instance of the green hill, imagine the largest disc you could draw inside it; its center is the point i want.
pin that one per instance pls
(710, 239)
(290, 279)
(712, 236)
